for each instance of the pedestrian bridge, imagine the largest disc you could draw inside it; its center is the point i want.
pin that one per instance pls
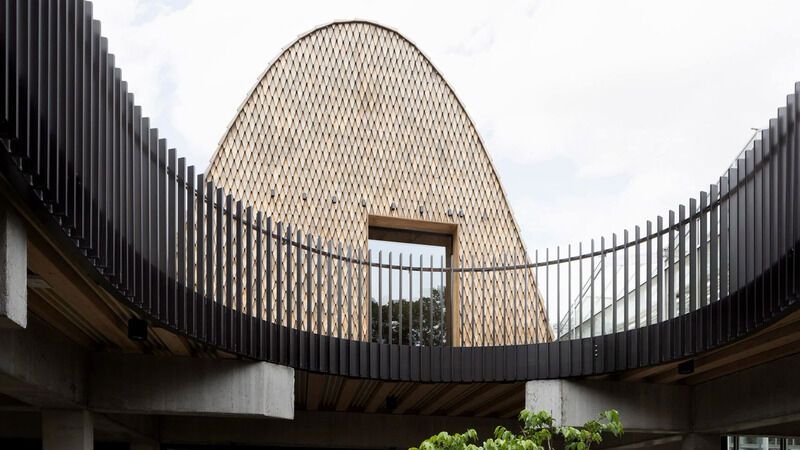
(143, 300)
(183, 255)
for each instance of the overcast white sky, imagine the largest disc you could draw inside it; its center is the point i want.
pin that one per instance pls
(597, 114)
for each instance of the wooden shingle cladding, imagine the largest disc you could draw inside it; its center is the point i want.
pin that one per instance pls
(352, 121)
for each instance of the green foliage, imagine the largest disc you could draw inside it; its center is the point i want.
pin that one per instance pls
(538, 433)
(428, 332)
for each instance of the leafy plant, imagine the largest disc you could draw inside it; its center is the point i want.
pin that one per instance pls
(430, 331)
(538, 433)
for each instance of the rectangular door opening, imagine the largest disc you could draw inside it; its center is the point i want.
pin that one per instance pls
(410, 298)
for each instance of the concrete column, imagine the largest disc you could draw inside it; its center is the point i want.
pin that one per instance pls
(13, 269)
(698, 441)
(650, 408)
(546, 395)
(67, 430)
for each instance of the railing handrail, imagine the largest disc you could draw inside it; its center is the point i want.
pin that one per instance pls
(185, 254)
(501, 267)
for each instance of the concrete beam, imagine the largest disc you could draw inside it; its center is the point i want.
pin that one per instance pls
(67, 430)
(42, 368)
(761, 396)
(142, 384)
(13, 269)
(316, 429)
(653, 408)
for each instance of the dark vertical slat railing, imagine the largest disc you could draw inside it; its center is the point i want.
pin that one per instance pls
(380, 297)
(536, 306)
(713, 258)
(309, 325)
(614, 297)
(430, 306)
(592, 277)
(190, 290)
(261, 332)
(780, 198)
(279, 340)
(602, 285)
(625, 278)
(580, 291)
(680, 332)
(286, 344)
(729, 313)
(197, 260)
(569, 291)
(749, 306)
(759, 265)
(659, 336)
(536, 294)
(389, 303)
(689, 328)
(319, 342)
(248, 333)
(237, 325)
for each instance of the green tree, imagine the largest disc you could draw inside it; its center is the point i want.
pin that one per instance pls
(431, 331)
(538, 433)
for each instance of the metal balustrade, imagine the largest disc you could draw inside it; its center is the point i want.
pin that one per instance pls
(190, 257)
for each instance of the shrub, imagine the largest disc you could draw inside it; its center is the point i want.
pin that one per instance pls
(538, 432)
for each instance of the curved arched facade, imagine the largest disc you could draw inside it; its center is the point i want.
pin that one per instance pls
(351, 124)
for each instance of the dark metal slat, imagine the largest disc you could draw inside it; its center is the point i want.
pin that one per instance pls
(296, 344)
(713, 238)
(579, 322)
(613, 283)
(592, 277)
(380, 297)
(237, 315)
(202, 256)
(625, 277)
(637, 277)
(689, 330)
(724, 232)
(602, 285)
(758, 229)
(287, 343)
(279, 341)
(349, 294)
(389, 303)
(679, 335)
(217, 318)
(309, 299)
(659, 287)
(399, 299)
(191, 299)
(271, 342)
(178, 185)
(249, 332)
(259, 287)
